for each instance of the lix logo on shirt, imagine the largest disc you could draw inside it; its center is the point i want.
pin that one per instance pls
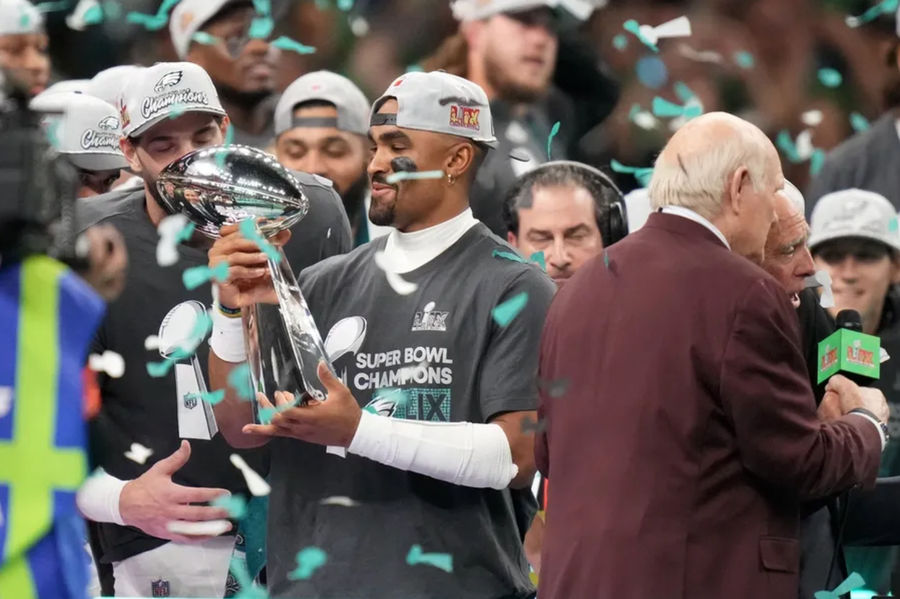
(430, 319)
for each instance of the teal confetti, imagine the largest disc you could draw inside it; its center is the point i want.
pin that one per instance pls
(507, 311)
(553, 131)
(198, 275)
(538, 258)
(633, 27)
(235, 505)
(112, 10)
(239, 380)
(744, 59)
(664, 108)
(620, 42)
(413, 176)
(345, 5)
(201, 37)
(250, 231)
(213, 397)
(159, 369)
(263, 7)
(444, 561)
(153, 22)
(53, 132)
(309, 560)
(508, 256)
(261, 27)
(249, 590)
(286, 43)
(684, 93)
(24, 19)
(93, 15)
(414, 68)
(177, 109)
(852, 582)
(785, 143)
(893, 226)
(45, 7)
(816, 161)
(606, 260)
(185, 234)
(859, 122)
(882, 8)
(642, 174)
(830, 78)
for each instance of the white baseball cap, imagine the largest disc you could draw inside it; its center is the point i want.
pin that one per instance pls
(20, 16)
(438, 102)
(88, 133)
(352, 105)
(53, 99)
(109, 84)
(854, 213)
(188, 17)
(474, 10)
(166, 89)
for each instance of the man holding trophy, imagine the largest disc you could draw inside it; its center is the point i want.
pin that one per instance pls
(170, 110)
(432, 332)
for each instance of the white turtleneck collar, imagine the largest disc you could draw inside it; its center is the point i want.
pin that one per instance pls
(405, 252)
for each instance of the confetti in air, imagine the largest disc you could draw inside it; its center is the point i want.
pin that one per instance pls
(198, 275)
(87, 12)
(340, 500)
(816, 161)
(514, 257)
(553, 131)
(652, 72)
(400, 285)
(201, 37)
(852, 582)
(680, 27)
(412, 176)
(642, 174)
(812, 118)
(883, 8)
(235, 505)
(744, 59)
(153, 22)
(309, 560)
(255, 482)
(109, 362)
(506, 312)
(707, 56)
(642, 118)
(286, 43)
(444, 561)
(213, 397)
(859, 122)
(249, 230)
(249, 590)
(172, 230)
(620, 41)
(538, 258)
(830, 77)
(634, 28)
(665, 109)
(138, 453)
(239, 380)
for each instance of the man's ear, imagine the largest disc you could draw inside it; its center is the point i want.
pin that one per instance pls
(738, 186)
(130, 150)
(223, 127)
(473, 33)
(460, 160)
(895, 267)
(511, 239)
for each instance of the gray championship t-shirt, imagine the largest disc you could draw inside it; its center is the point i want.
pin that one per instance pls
(471, 369)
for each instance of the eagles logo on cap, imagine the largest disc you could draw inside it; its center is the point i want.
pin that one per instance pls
(170, 79)
(110, 123)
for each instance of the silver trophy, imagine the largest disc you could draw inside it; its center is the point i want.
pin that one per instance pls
(218, 186)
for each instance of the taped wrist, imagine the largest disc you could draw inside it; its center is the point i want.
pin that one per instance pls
(98, 498)
(462, 453)
(227, 338)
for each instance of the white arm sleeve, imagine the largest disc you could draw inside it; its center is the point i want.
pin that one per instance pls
(98, 498)
(227, 338)
(462, 453)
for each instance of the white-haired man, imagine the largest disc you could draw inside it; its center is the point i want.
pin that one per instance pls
(682, 470)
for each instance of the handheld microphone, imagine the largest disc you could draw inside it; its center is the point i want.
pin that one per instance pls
(849, 351)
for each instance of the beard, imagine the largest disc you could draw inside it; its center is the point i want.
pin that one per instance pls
(508, 88)
(382, 214)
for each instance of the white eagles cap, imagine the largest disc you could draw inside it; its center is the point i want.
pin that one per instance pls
(188, 17)
(88, 133)
(164, 90)
(438, 102)
(109, 84)
(854, 213)
(54, 98)
(20, 16)
(474, 10)
(352, 105)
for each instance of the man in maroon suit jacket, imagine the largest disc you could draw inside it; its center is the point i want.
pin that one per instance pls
(687, 435)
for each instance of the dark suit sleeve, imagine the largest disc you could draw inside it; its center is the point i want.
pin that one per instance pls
(766, 394)
(873, 516)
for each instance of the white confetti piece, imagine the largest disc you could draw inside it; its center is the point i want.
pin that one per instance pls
(340, 500)
(804, 145)
(408, 373)
(169, 230)
(645, 120)
(138, 453)
(707, 56)
(109, 362)
(255, 482)
(6, 397)
(400, 285)
(680, 27)
(823, 280)
(83, 15)
(884, 356)
(207, 528)
(151, 342)
(359, 26)
(812, 118)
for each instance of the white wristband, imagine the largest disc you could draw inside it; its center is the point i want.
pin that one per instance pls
(98, 498)
(462, 453)
(227, 338)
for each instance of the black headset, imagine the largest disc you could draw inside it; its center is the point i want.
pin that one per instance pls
(599, 182)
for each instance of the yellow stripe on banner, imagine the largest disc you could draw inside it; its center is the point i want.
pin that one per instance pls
(16, 581)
